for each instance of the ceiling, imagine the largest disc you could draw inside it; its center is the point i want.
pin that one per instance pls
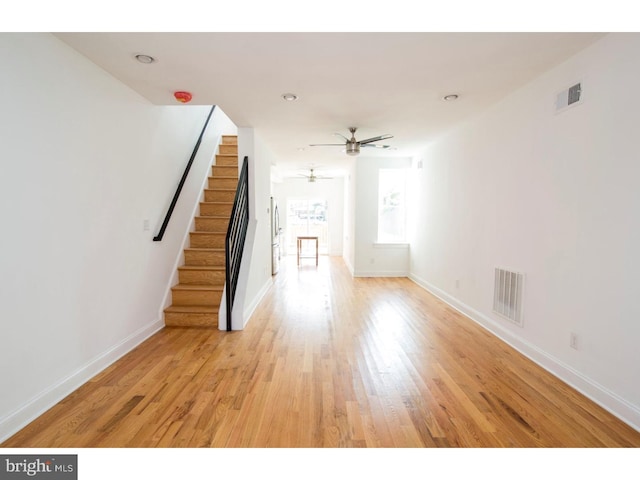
(382, 83)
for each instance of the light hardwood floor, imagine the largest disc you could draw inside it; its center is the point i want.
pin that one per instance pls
(329, 361)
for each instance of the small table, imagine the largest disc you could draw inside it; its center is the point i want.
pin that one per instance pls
(300, 239)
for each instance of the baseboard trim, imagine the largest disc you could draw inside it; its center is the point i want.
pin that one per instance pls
(248, 312)
(20, 418)
(348, 264)
(610, 401)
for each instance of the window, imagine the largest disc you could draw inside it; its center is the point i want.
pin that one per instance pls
(392, 184)
(307, 216)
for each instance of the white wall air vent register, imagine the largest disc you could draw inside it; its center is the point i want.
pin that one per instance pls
(569, 97)
(507, 294)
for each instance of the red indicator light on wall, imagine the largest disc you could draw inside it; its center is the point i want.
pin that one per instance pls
(183, 97)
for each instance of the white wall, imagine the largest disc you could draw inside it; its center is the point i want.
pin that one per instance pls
(555, 196)
(370, 258)
(350, 215)
(330, 189)
(84, 161)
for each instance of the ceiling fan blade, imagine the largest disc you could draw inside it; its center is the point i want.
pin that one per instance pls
(340, 135)
(375, 146)
(327, 145)
(375, 139)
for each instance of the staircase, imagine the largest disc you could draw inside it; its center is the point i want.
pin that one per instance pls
(196, 297)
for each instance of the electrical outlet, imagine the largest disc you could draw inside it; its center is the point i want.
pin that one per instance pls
(573, 340)
(457, 283)
(145, 225)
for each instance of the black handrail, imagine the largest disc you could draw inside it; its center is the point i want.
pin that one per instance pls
(236, 234)
(158, 237)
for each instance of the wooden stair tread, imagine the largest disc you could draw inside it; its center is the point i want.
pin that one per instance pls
(204, 249)
(191, 309)
(199, 287)
(221, 229)
(202, 268)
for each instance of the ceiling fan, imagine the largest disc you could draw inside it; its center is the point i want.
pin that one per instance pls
(312, 177)
(352, 145)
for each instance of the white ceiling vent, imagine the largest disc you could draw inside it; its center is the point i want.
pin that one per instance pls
(507, 294)
(569, 97)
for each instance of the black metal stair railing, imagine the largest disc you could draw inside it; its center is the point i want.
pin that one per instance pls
(236, 235)
(167, 217)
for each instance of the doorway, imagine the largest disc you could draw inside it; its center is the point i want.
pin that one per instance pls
(307, 217)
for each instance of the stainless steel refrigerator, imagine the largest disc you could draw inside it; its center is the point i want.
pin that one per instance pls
(275, 236)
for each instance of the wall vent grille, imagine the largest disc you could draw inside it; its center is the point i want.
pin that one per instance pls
(572, 96)
(507, 295)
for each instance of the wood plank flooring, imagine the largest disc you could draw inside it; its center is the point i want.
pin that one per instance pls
(328, 361)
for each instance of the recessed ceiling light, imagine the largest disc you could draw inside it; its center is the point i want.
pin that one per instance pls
(290, 97)
(145, 58)
(450, 98)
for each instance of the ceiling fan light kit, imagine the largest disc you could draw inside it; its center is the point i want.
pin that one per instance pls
(352, 146)
(353, 149)
(312, 177)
